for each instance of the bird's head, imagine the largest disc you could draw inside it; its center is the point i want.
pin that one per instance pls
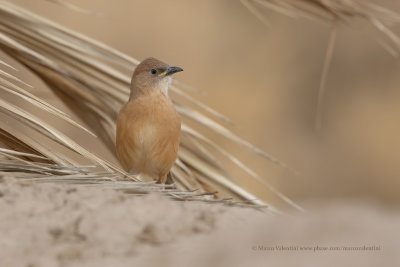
(152, 75)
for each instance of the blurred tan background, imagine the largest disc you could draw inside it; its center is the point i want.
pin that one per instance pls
(266, 80)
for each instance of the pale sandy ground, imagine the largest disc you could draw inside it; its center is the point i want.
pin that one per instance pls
(57, 225)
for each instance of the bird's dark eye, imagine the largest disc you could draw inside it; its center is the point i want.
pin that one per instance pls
(153, 71)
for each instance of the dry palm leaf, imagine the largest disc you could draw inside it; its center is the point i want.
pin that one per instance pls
(334, 11)
(93, 79)
(331, 10)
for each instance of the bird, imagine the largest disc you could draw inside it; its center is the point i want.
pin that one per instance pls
(148, 125)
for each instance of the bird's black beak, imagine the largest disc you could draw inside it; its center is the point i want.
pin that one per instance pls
(172, 69)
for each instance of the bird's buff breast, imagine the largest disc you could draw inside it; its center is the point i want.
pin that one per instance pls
(148, 132)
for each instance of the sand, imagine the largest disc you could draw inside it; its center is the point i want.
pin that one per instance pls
(43, 225)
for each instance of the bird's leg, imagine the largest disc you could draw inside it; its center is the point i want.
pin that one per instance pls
(162, 179)
(169, 178)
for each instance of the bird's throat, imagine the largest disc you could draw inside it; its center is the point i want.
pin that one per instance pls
(160, 87)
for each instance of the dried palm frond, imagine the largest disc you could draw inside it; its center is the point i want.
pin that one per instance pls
(331, 10)
(334, 11)
(93, 79)
(26, 171)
